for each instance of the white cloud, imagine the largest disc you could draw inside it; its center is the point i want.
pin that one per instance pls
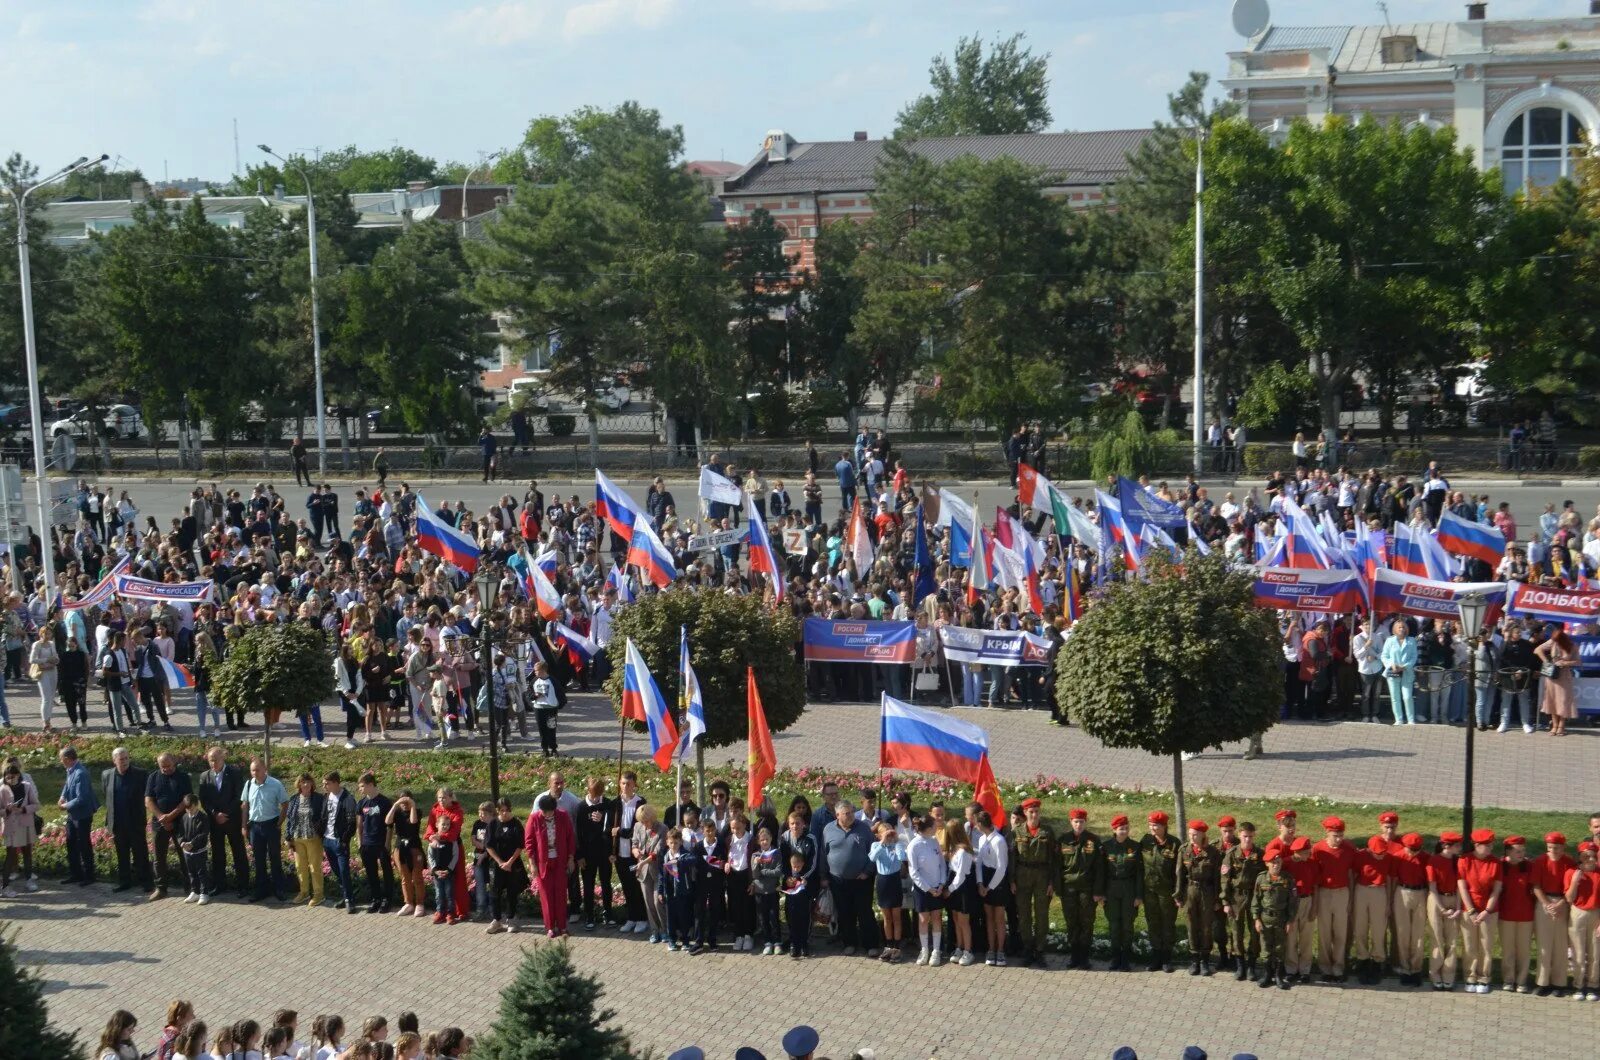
(511, 22)
(605, 16)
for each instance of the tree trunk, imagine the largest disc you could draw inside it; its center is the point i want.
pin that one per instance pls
(852, 420)
(699, 442)
(1180, 823)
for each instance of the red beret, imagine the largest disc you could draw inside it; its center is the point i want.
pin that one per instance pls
(1226, 821)
(1076, 814)
(1157, 817)
(1515, 841)
(1119, 821)
(1300, 843)
(1449, 837)
(1283, 814)
(1030, 804)
(1585, 846)
(1378, 845)
(1388, 817)
(1483, 835)
(1198, 826)
(1333, 824)
(1411, 841)
(1273, 852)
(1555, 837)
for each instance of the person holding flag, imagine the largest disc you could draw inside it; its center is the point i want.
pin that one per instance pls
(763, 557)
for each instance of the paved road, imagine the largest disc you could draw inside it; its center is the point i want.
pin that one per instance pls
(99, 952)
(1349, 761)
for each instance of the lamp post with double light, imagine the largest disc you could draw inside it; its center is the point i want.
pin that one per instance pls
(487, 582)
(316, 320)
(1472, 608)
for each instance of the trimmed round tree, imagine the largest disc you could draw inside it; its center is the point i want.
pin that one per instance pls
(25, 1028)
(273, 669)
(727, 633)
(548, 1012)
(1175, 661)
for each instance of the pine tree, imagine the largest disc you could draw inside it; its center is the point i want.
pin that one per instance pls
(25, 1028)
(548, 1013)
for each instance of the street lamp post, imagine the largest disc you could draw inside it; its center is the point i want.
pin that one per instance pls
(466, 183)
(1197, 425)
(31, 348)
(316, 320)
(1471, 608)
(488, 585)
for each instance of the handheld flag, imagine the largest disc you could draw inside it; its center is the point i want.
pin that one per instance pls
(618, 580)
(443, 540)
(642, 701)
(1121, 535)
(104, 589)
(544, 594)
(580, 649)
(1074, 602)
(958, 516)
(646, 551)
(719, 488)
(986, 791)
(763, 557)
(763, 759)
(929, 742)
(981, 578)
(859, 542)
(924, 585)
(177, 674)
(613, 504)
(1474, 540)
(689, 698)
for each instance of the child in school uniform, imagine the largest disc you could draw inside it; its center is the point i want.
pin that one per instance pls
(680, 874)
(962, 889)
(712, 888)
(766, 877)
(442, 865)
(480, 860)
(888, 857)
(926, 864)
(797, 900)
(741, 907)
(194, 840)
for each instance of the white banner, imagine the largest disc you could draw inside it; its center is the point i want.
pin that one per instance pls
(715, 487)
(707, 542)
(994, 647)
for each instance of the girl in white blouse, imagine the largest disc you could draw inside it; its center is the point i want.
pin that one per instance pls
(963, 888)
(994, 862)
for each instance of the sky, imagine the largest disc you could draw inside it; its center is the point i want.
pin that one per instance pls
(157, 84)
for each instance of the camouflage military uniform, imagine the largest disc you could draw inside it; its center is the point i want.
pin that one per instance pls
(1198, 880)
(1082, 878)
(1239, 872)
(1124, 873)
(1036, 869)
(1274, 902)
(1160, 887)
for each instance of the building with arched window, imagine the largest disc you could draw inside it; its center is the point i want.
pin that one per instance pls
(1522, 94)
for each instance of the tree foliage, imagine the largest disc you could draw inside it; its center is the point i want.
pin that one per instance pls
(726, 634)
(25, 1027)
(348, 169)
(550, 1011)
(976, 95)
(51, 296)
(287, 667)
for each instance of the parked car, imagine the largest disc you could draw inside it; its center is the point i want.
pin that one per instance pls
(13, 417)
(119, 421)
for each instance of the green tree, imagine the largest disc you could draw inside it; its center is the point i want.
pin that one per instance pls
(549, 1011)
(408, 325)
(726, 635)
(348, 169)
(275, 668)
(830, 298)
(758, 272)
(977, 95)
(51, 297)
(1176, 661)
(96, 183)
(25, 1027)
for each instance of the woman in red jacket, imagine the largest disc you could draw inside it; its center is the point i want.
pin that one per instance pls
(444, 821)
(551, 846)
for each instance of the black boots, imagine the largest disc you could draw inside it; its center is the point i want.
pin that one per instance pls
(1194, 967)
(1266, 974)
(1241, 971)
(1282, 978)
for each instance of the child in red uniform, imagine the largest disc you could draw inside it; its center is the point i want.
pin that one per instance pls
(1374, 866)
(1297, 946)
(1583, 894)
(1550, 913)
(1480, 886)
(1516, 915)
(1411, 888)
(1335, 861)
(1444, 910)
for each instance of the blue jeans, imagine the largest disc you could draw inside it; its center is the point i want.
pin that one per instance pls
(1455, 698)
(1485, 703)
(339, 858)
(202, 707)
(971, 685)
(315, 719)
(444, 895)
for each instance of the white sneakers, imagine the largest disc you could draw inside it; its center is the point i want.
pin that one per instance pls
(205, 899)
(641, 926)
(305, 743)
(405, 910)
(30, 886)
(9, 893)
(922, 958)
(625, 927)
(1503, 727)
(191, 899)
(494, 928)
(967, 960)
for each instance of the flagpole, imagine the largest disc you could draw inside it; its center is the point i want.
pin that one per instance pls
(622, 732)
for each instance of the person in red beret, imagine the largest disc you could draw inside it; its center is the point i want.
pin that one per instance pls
(1389, 828)
(1159, 852)
(1551, 914)
(1287, 822)
(1081, 885)
(1480, 885)
(1273, 903)
(1240, 868)
(1516, 915)
(1583, 895)
(1199, 881)
(1444, 910)
(1302, 931)
(1369, 914)
(1124, 891)
(1336, 863)
(1227, 839)
(1410, 908)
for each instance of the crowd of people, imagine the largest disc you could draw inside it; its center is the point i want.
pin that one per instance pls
(185, 1036)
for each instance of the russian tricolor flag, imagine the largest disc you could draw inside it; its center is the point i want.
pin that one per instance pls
(177, 674)
(646, 552)
(543, 593)
(444, 541)
(614, 505)
(580, 649)
(642, 701)
(957, 515)
(763, 557)
(618, 580)
(929, 742)
(1111, 522)
(1406, 556)
(1474, 540)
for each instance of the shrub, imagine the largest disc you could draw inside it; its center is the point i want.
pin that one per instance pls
(964, 463)
(1408, 459)
(25, 1028)
(550, 1011)
(1589, 458)
(561, 424)
(770, 412)
(1129, 450)
(1259, 458)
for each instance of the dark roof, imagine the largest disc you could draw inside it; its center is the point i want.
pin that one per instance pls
(851, 165)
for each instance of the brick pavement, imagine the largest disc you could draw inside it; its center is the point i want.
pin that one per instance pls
(1350, 761)
(99, 952)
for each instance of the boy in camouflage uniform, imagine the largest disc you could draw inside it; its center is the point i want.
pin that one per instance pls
(1240, 866)
(1159, 853)
(1272, 906)
(1199, 873)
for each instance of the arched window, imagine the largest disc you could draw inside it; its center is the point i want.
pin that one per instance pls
(1540, 146)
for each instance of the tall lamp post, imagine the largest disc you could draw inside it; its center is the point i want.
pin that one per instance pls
(1198, 425)
(316, 320)
(488, 585)
(1471, 609)
(31, 347)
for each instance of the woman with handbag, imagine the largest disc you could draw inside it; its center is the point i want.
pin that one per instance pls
(19, 807)
(1558, 662)
(42, 664)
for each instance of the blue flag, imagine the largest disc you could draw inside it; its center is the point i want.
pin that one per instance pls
(1140, 507)
(925, 585)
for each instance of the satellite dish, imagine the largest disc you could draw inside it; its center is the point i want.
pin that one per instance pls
(1250, 17)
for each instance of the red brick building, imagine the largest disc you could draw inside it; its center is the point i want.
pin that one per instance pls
(805, 186)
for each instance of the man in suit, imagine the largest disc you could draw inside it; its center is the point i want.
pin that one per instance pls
(219, 789)
(124, 787)
(77, 798)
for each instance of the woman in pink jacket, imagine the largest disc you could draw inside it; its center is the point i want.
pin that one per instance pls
(551, 846)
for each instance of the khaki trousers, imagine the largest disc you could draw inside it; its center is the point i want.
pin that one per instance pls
(1585, 966)
(1551, 931)
(1442, 967)
(1333, 929)
(1479, 937)
(308, 864)
(1370, 924)
(1516, 946)
(1297, 938)
(1410, 929)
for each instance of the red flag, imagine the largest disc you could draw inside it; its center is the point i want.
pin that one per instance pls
(763, 759)
(986, 793)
